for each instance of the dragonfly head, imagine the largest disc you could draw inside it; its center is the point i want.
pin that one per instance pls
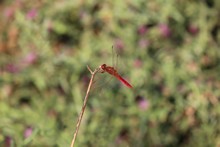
(102, 67)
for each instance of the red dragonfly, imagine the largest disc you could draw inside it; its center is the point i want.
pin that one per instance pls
(112, 71)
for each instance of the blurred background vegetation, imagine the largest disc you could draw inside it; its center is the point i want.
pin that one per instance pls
(169, 51)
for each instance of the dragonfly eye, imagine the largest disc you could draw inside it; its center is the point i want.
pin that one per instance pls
(103, 66)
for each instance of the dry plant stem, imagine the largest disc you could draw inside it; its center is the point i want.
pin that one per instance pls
(93, 73)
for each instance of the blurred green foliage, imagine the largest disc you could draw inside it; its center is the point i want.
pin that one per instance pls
(168, 49)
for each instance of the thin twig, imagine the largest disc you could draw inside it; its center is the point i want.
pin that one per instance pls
(93, 73)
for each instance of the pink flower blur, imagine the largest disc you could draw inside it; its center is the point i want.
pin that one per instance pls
(142, 30)
(142, 103)
(138, 63)
(30, 58)
(12, 68)
(9, 12)
(143, 43)
(164, 30)
(8, 141)
(193, 29)
(31, 14)
(28, 132)
(119, 44)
